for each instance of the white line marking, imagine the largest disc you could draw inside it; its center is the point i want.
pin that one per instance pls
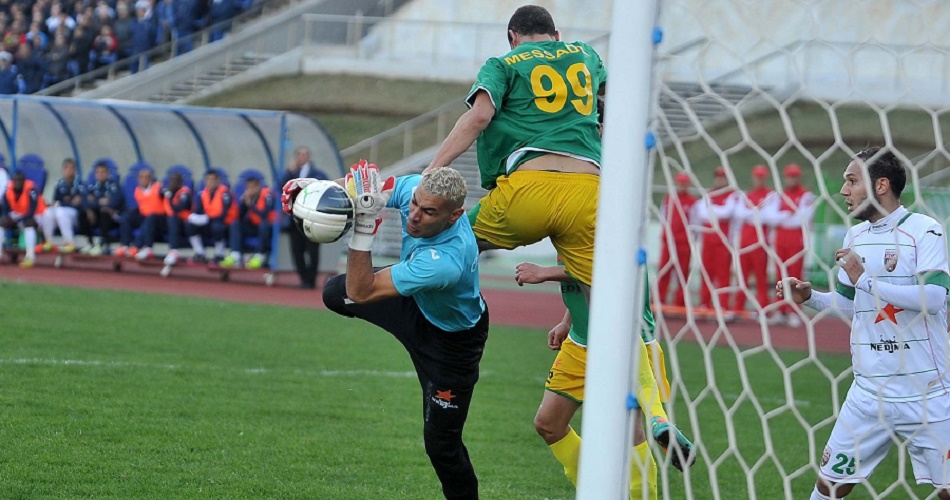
(768, 400)
(249, 371)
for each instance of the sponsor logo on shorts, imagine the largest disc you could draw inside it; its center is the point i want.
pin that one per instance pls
(890, 259)
(825, 457)
(889, 345)
(444, 399)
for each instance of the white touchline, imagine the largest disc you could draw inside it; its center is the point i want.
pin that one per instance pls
(249, 371)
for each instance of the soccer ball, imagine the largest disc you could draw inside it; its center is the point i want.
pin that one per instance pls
(323, 211)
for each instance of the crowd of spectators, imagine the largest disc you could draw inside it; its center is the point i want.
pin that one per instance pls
(48, 41)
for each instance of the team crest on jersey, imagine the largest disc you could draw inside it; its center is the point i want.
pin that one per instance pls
(890, 259)
(825, 457)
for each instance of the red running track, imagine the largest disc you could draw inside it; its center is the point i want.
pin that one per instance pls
(520, 308)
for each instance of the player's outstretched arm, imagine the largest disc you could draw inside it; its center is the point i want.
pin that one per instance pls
(466, 130)
(533, 274)
(797, 290)
(801, 292)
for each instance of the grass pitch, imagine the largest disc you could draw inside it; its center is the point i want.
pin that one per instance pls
(127, 395)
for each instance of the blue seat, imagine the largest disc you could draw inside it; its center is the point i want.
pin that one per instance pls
(33, 167)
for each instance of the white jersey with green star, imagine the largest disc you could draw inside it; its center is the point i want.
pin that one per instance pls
(899, 355)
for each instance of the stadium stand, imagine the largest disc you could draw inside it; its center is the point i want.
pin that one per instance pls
(48, 42)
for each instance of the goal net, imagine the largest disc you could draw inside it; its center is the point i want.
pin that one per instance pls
(757, 384)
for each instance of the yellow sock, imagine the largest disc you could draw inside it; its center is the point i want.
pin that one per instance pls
(641, 455)
(568, 452)
(649, 396)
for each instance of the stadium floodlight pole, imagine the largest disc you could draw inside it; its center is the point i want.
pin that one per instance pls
(605, 450)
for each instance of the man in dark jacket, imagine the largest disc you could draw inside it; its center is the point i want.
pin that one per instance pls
(144, 34)
(102, 208)
(9, 74)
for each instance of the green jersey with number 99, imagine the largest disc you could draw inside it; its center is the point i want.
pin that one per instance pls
(544, 95)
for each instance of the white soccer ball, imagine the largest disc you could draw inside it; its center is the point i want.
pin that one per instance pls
(323, 211)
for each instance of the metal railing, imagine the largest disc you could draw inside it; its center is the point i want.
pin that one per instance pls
(420, 40)
(167, 50)
(438, 122)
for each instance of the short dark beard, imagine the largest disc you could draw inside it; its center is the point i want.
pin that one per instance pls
(870, 211)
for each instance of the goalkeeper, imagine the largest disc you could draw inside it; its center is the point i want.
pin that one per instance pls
(533, 113)
(430, 301)
(564, 388)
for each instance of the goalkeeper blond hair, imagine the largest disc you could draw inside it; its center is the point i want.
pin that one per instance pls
(445, 182)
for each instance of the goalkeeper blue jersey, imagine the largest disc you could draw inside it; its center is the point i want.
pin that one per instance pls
(440, 273)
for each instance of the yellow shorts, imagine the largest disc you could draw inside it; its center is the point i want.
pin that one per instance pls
(531, 205)
(567, 373)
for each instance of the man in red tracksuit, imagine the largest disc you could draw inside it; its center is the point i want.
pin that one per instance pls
(675, 218)
(715, 211)
(790, 215)
(753, 240)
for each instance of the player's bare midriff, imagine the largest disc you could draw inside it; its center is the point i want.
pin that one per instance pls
(559, 163)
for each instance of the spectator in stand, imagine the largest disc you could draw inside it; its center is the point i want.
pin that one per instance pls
(148, 217)
(178, 202)
(214, 212)
(103, 206)
(57, 61)
(256, 217)
(715, 212)
(11, 38)
(305, 252)
(9, 75)
(144, 34)
(122, 27)
(64, 214)
(22, 205)
(164, 13)
(675, 249)
(186, 20)
(38, 38)
(790, 214)
(87, 17)
(105, 47)
(79, 50)
(32, 68)
(58, 17)
(753, 240)
(220, 11)
(105, 14)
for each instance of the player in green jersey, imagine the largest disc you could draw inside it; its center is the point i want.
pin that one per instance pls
(564, 388)
(533, 112)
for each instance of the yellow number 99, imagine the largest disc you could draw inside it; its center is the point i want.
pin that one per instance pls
(550, 89)
(585, 104)
(549, 99)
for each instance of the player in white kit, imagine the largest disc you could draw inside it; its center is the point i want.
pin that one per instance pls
(893, 282)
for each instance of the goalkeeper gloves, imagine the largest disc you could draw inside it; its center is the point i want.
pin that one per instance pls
(290, 191)
(370, 194)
